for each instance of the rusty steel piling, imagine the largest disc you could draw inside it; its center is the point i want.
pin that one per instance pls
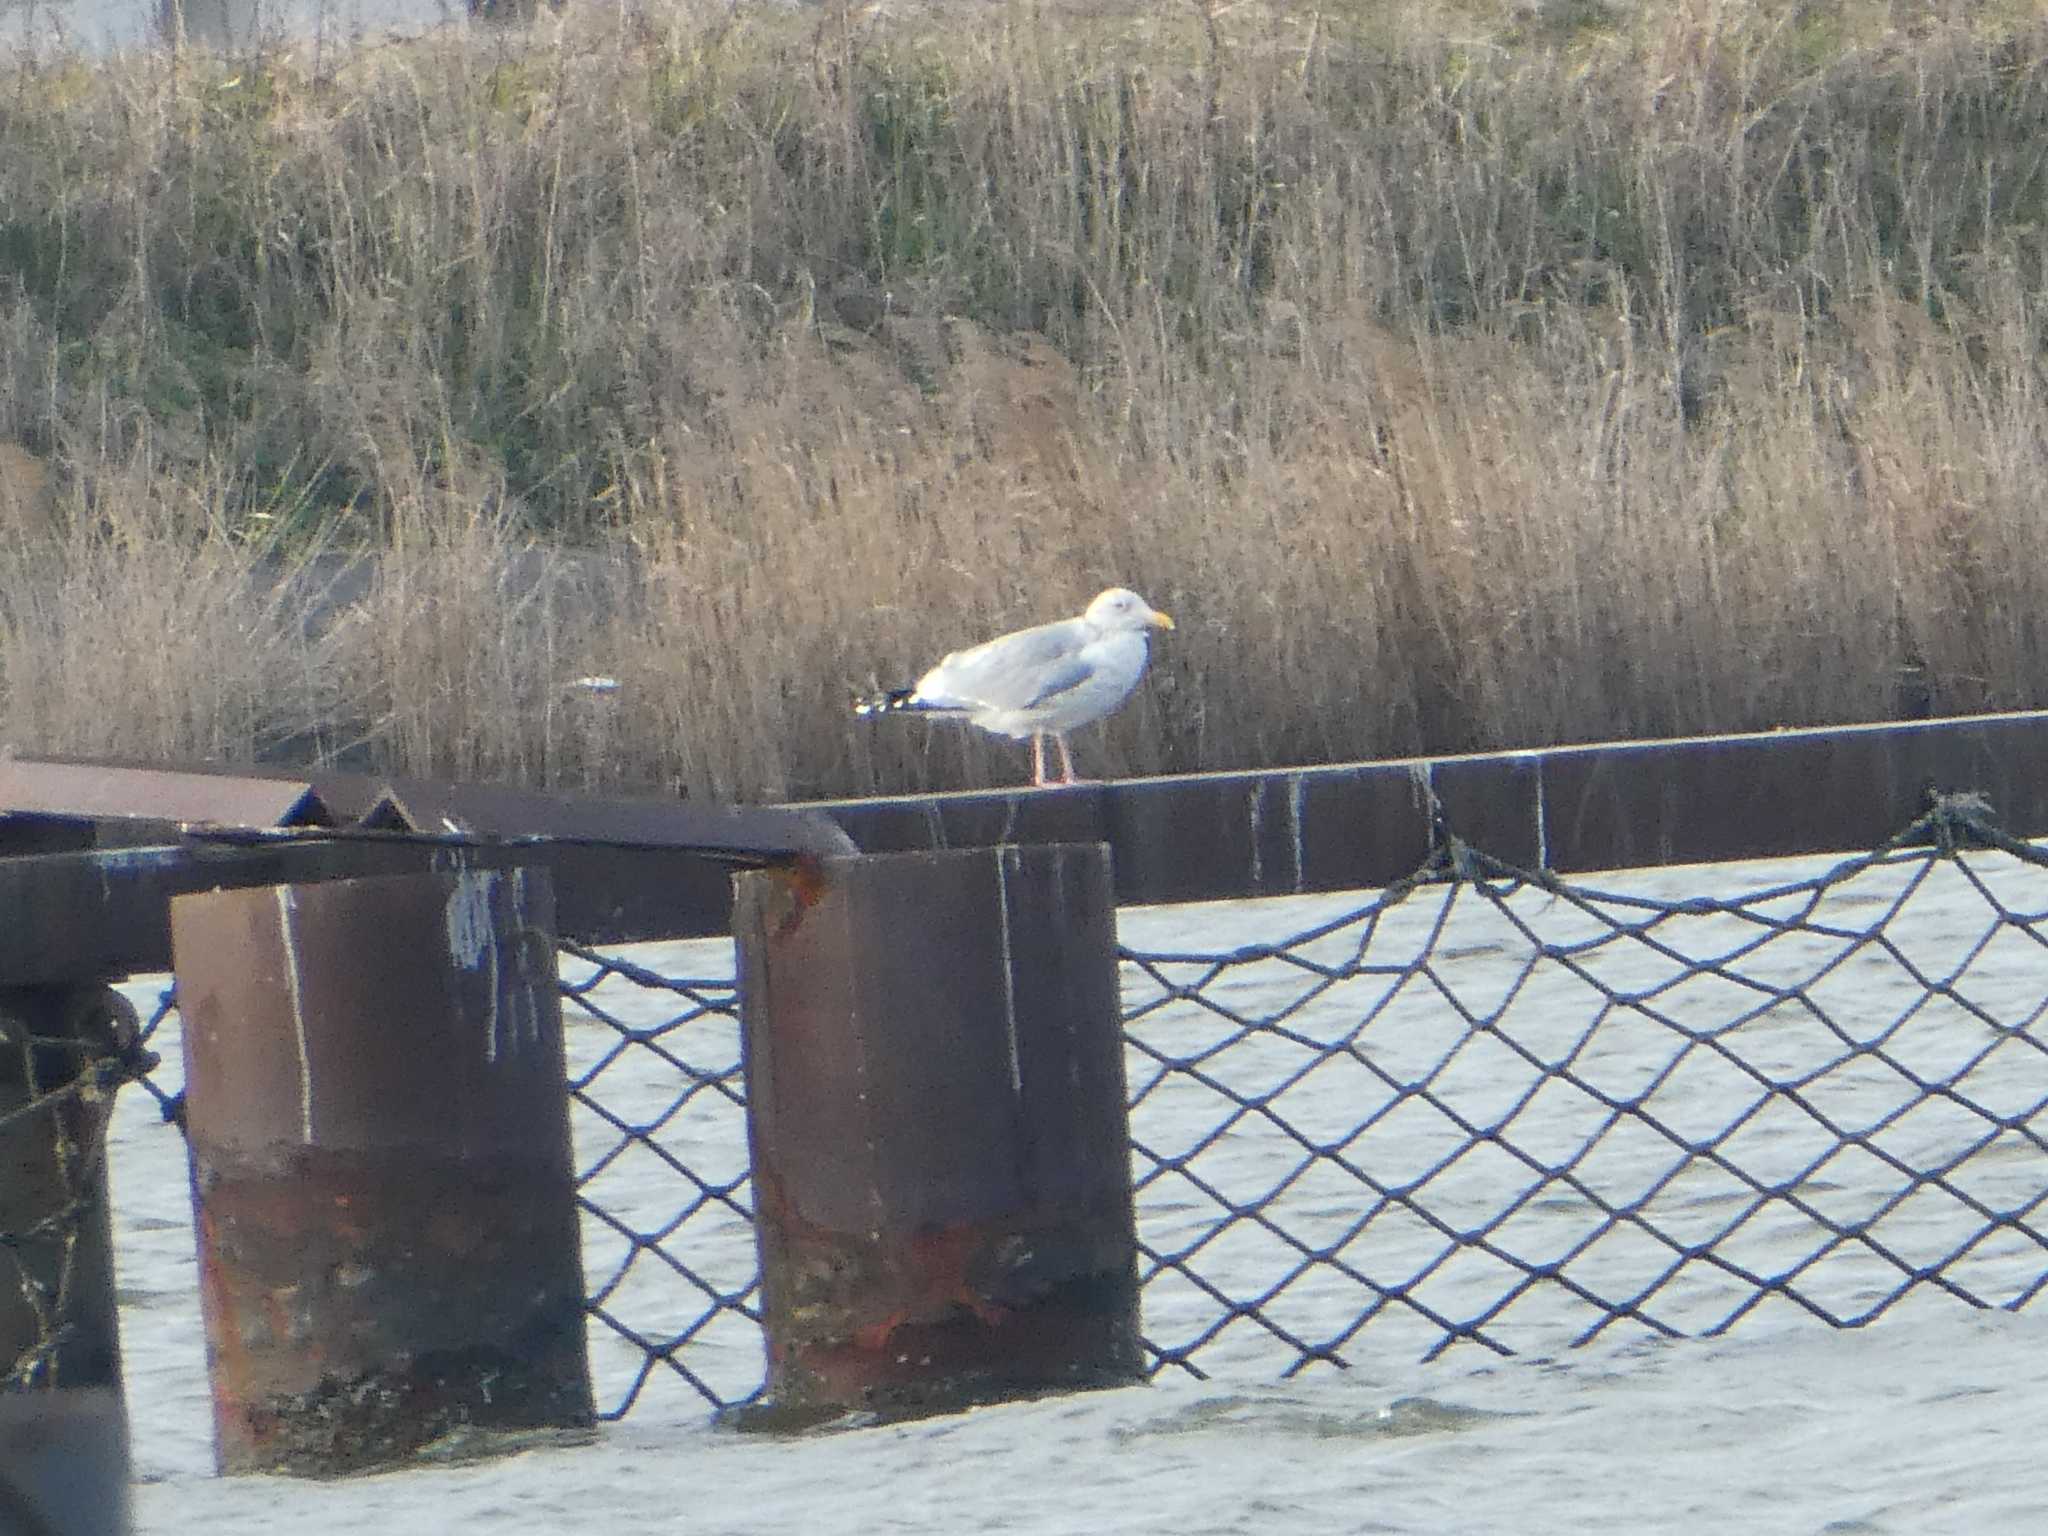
(63, 1425)
(60, 1062)
(935, 1106)
(381, 1171)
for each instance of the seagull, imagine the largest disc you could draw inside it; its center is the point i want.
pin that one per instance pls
(1042, 681)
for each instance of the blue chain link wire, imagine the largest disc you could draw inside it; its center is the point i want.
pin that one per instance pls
(1691, 1272)
(692, 1051)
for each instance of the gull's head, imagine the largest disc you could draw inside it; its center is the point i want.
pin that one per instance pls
(1121, 608)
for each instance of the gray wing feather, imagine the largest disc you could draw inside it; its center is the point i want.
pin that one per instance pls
(1012, 671)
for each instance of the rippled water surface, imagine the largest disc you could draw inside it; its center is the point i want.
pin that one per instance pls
(1922, 1421)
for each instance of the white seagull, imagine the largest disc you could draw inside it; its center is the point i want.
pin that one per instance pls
(1043, 681)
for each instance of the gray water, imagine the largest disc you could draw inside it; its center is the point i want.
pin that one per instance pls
(1922, 1421)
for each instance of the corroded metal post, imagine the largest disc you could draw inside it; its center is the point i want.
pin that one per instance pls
(59, 1054)
(378, 1122)
(63, 1427)
(941, 1148)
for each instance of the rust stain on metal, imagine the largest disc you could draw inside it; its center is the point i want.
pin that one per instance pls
(935, 1104)
(935, 1284)
(342, 1344)
(380, 1164)
(229, 1359)
(798, 886)
(906, 1323)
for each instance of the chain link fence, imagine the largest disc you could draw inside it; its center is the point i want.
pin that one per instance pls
(1493, 1107)
(1486, 1106)
(658, 1112)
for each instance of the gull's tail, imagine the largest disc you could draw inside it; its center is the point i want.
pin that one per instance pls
(888, 702)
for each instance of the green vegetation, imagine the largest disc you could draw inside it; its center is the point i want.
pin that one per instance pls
(1460, 375)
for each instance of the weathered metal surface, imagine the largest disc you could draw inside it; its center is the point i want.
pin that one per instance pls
(941, 1158)
(58, 1324)
(89, 791)
(627, 870)
(44, 834)
(1608, 806)
(64, 1463)
(92, 789)
(378, 1127)
(106, 912)
(624, 869)
(749, 834)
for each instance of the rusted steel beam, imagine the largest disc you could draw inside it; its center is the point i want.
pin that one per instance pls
(935, 1103)
(106, 793)
(92, 791)
(59, 1054)
(379, 1137)
(624, 868)
(106, 912)
(1611, 806)
(491, 811)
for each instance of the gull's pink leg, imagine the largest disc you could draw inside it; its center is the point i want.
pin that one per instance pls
(1066, 758)
(1038, 759)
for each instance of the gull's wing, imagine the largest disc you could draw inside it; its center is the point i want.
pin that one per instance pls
(1012, 671)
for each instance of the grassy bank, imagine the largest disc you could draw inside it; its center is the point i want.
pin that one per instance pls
(1458, 375)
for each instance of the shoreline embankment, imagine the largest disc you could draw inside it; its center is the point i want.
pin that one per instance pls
(1460, 376)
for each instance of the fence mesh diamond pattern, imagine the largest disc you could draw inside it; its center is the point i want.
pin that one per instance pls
(1485, 1106)
(657, 1112)
(1503, 1109)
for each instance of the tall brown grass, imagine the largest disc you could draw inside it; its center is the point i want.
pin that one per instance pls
(1459, 376)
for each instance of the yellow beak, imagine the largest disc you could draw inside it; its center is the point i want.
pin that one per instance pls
(1161, 620)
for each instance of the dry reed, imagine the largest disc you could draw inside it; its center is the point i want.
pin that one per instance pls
(1459, 376)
